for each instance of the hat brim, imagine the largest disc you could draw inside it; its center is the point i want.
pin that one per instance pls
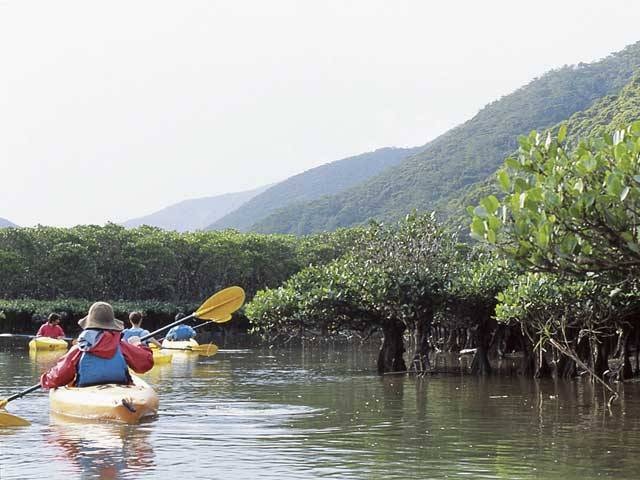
(114, 324)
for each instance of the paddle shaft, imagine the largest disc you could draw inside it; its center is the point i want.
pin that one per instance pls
(24, 392)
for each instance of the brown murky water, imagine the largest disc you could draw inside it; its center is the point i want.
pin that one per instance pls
(311, 413)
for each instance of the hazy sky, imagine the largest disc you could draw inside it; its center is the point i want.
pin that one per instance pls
(114, 109)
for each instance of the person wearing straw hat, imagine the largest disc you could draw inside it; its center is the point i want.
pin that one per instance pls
(100, 356)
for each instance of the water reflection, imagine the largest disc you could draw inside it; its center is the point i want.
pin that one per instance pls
(43, 360)
(100, 450)
(323, 412)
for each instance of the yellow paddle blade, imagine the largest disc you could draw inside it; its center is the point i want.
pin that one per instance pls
(219, 306)
(3, 403)
(207, 349)
(9, 420)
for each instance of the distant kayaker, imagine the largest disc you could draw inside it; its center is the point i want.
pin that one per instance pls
(180, 332)
(101, 356)
(136, 330)
(52, 328)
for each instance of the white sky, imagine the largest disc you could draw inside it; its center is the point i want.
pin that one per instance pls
(113, 109)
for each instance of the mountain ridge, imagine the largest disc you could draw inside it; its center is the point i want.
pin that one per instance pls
(4, 223)
(195, 213)
(314, 183)
(464, 155)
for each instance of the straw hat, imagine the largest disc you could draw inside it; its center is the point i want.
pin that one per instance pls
(101, 316)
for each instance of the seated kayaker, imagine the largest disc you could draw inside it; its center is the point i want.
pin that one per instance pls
(136, 330)
(52, 328)
(101, 356)
(180, 332)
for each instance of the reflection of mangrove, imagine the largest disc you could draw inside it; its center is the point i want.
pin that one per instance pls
(100, 450)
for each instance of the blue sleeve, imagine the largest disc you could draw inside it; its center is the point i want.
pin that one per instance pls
(88, 338)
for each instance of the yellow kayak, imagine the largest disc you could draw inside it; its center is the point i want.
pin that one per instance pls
(48, 343)
(185, 345)
(116, 403)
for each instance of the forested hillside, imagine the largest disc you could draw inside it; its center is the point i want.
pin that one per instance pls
(195, 214)
(465, 155)
(605, 115)
(327, 179)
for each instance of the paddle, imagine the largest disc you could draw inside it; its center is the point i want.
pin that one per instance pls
(20, 335)
(216, 309)
(8, 420)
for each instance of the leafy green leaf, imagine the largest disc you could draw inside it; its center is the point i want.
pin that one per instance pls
(543, 236)
(490, 203)
(562, 133)
(511, 162)
(568, 245)
(503, 179)
(478, 226)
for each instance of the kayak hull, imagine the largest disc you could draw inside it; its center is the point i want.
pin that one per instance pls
(185, 345)
(109, 403)
(48, 343)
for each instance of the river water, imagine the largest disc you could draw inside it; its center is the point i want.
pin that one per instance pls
(324, 413)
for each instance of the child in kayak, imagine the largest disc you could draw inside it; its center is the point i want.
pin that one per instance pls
(52, 328)
(180, 332)
(136, 330)
(101, 356)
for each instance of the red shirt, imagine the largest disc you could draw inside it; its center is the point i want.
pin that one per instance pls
(48, 330)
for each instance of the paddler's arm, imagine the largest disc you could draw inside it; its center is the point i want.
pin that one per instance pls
(63, 372)
(139, 357)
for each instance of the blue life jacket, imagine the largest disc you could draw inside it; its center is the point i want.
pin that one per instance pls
(94, 370)
(181, 332)
(135, 332)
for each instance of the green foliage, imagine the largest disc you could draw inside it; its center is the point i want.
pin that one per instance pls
(545, 302)
(78, 308)
(480, 277)
(393, 273)
(605, 116)
(148, 263)
(549, 307)
(570, 211)
(466, 154)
